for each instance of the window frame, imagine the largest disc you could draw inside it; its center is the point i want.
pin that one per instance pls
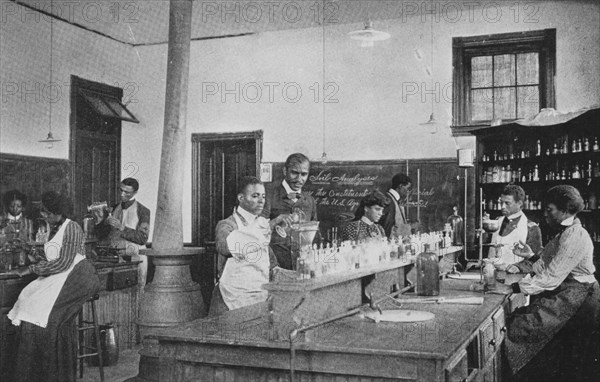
(542, 42)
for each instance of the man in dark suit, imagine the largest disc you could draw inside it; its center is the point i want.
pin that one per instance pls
(394, 220)
(286, 199)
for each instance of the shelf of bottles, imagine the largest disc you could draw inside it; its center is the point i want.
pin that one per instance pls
(538, 164)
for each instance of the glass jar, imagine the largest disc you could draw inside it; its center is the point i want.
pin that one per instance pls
(428, 273)
(489, 273)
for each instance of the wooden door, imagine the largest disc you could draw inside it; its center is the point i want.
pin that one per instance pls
(95, 171)
(221, 165)
(95, 149)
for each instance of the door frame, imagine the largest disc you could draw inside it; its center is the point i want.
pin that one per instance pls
(200, 139)
(76, 84)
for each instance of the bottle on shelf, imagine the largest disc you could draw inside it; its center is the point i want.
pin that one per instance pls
(538, 148)
(579, 147)
(565, 146)
(586, 144)
(596, 147)
(555, 149)
(597, 170)
(576, 174)
(592, 201)
(536, 174)
(589, 172)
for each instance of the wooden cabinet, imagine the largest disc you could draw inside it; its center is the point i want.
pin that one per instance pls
(539, 157)
(461, 343)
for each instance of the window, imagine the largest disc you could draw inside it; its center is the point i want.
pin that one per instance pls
(108, 106)
(504, 76)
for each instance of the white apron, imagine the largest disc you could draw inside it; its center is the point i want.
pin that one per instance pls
(505, 253)
(248, 269)
(130, 219)
(37, 299)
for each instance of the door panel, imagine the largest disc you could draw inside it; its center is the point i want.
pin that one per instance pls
(95, 173)
(223, 163)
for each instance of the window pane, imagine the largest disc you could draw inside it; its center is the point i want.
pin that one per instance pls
(98, 105)
(505, 103)
(481, 105)
(481, 72)
(504, 70)
(528, 68)
(528, 98)
(119, 108)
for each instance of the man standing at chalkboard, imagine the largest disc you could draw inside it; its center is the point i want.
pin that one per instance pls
(287, 198)
(394, 220)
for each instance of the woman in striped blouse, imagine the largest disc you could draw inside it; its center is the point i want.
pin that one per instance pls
(46, 309)
(557, 336)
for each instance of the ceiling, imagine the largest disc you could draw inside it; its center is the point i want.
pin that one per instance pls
(138, 22)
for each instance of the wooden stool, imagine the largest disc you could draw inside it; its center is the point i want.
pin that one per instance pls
(82, 327)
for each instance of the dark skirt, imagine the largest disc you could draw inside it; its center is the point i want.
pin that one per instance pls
(556, 337)
(48, 354)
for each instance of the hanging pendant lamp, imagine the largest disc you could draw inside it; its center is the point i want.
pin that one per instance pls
(432, 122)
(367, 36)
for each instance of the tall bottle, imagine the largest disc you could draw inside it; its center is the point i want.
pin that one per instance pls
(428, 273)
(456, 222)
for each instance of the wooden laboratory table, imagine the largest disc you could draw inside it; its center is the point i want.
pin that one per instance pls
(117, 305)
(461, 343)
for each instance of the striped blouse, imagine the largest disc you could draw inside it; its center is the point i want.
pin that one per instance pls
(568, 254)
(73, 243)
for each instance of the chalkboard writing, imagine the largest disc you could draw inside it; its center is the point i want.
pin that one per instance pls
(338, 187)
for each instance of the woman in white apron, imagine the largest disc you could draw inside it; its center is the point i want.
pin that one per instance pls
(46, 309)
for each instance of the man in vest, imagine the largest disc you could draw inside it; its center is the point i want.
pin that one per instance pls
(127, 226)
(394, 220)
(514, 228)
(286, 198)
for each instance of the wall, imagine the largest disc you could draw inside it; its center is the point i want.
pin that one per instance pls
(383, 92)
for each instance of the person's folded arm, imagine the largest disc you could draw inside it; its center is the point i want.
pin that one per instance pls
(570, 252)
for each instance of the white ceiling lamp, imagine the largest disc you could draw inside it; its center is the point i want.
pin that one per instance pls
(50, 140)
(368, 35)
(432, 122)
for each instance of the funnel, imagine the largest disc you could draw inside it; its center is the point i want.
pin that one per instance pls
(306, 232)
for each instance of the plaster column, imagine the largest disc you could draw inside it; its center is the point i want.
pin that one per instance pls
(172, 298)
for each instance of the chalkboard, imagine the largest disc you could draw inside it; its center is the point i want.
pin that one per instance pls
(338, 187)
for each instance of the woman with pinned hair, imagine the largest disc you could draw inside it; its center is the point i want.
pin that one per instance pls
(13, 222)
(365, 224)
(557, 336)
(46, 309)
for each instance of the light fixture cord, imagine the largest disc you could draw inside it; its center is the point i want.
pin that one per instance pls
(431, 58)
(50, 84)
(323, 80)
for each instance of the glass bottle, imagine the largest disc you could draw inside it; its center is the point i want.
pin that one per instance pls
(576, 174)
(456, 223)
(538, 148)
(428, 273)
(596, 147)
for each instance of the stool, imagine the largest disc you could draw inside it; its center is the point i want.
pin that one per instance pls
(84, 326)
